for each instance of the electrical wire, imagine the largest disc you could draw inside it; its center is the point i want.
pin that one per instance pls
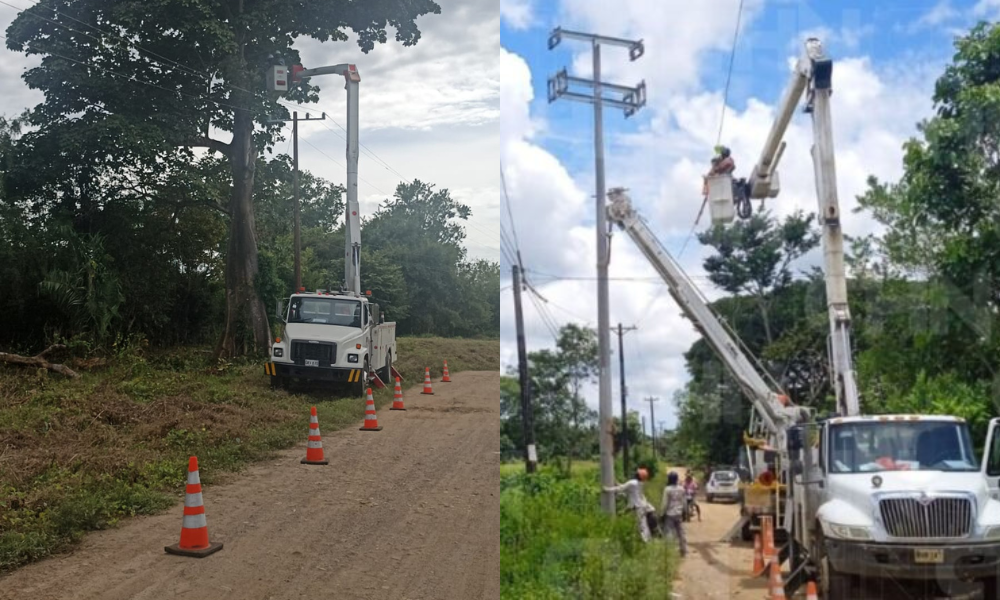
(510, 212)
(729, 75)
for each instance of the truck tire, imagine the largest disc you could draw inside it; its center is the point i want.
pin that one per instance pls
(387, 373)
(833, 585)
(746, 532)
(709, 499)
(362, 384)
(990, 587)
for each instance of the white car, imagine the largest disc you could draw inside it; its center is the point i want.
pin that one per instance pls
(723, 484)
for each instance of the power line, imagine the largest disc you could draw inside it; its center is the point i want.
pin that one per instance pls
(510, 213)
(729, 75)
(369, 152)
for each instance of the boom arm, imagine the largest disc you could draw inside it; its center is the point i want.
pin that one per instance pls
(813, 74)
(352, 220)
(776, 416)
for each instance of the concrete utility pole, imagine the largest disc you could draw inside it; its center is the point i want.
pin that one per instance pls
(621, 367)
(629, 99)
(527, 416)
(652, 424)
(295, 189)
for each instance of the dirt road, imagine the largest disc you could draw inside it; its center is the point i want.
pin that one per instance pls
(715, 569)
(410, 512)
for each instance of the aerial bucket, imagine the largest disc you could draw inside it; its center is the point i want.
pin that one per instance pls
(720, 199)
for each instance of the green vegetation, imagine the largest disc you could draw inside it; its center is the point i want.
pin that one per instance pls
(556, 543)
(81, 454)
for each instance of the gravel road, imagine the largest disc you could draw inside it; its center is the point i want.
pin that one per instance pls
(410, 512)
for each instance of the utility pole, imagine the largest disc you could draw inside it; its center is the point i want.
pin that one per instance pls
(652, 424)
(297, 240)
(527, 418)
(629, 99)
(621, 367)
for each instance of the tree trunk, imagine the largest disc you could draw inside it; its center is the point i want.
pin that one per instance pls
(247, 330)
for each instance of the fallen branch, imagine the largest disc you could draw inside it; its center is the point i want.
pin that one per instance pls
(39, 361)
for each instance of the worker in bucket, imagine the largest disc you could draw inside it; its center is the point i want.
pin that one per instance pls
(672, 510)
(637, 502)
(722, 164)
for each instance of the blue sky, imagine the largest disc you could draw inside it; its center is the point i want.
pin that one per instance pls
(887, 56)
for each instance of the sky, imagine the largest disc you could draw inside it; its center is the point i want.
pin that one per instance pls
(887, 56)
(428, 112)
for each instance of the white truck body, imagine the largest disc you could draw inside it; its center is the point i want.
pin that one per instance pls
(336, 338)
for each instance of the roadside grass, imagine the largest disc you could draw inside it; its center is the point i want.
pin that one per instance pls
(556, 543)
(82, 454)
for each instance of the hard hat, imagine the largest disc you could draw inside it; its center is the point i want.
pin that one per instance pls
(643, 474)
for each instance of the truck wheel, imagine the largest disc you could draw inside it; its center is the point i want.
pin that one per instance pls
(709, 499)
(387, 378)
(362, 383)
(990, 587)
(746, 532)
(835, 586)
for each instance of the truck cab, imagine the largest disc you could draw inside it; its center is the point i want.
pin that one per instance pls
(336, 338)
(902, 496)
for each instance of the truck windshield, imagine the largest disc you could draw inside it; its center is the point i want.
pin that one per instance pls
(327, 311)
(901, 446)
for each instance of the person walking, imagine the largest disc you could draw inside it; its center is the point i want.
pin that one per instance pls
(673, 510)
(637, 503)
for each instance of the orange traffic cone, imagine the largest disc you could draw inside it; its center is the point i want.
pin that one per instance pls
(314, 447)
(776, 584)
(428, 390)
(446, 378)
(811, 593)
(758, 557)
(397, 397)
(371, 422)
(194, 528)
(767, 529)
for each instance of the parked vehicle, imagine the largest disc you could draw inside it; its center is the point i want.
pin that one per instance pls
(724, 485)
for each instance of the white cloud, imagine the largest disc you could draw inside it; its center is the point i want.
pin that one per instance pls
(940, 14)
(875, 108)
(517, 14)
(989, 9)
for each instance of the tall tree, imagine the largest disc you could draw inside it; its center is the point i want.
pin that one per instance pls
(153, 79)
(754, 257)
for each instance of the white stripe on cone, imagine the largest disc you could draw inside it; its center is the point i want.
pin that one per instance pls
(193, 477)
(195, 521)
(314, 444)
(193, 500)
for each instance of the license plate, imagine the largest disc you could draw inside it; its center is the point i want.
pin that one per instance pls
(925, 556)
(312, 363)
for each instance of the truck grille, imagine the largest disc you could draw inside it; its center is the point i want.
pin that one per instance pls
(926, 518)
(324, 352)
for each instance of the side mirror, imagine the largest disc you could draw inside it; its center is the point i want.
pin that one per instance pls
(279, 309)
(376, 314)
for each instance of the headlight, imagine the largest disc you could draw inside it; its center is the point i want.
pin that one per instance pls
(992, 533)
(849, 532)
(279, 351)
(352, 358)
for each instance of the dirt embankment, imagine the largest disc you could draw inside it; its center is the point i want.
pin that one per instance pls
(410, 512)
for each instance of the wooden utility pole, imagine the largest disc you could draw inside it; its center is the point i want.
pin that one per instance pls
(621, 367)
(527, 418)
(296, 237)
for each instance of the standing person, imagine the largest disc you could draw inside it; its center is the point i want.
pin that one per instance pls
(673, 510)
(690, 490)
(637, 502)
